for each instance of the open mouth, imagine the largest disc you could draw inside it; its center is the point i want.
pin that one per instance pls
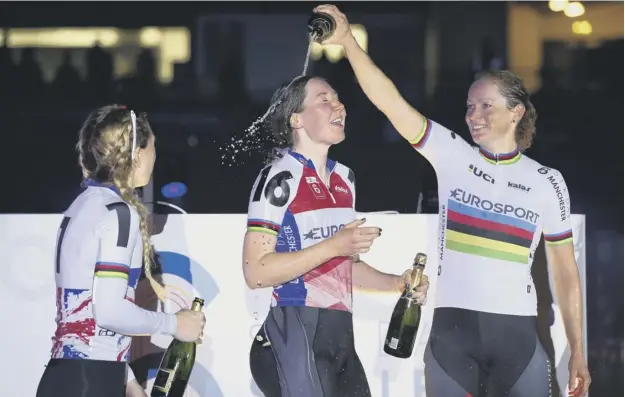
(339, 121)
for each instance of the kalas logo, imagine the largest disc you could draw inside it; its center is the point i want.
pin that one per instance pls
(519, 186)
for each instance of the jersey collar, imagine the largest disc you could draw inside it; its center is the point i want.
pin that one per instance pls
(308, 163)
(92, 182)
(501, 158)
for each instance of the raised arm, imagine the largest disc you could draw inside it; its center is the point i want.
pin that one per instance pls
(433, 141)
(376, 85)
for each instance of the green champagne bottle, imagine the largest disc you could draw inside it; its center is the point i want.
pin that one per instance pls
(404, 324)
(176, 365)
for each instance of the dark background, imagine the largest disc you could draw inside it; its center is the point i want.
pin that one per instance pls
(240, 52)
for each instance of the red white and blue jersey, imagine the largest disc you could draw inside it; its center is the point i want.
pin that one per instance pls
(290, 201)
(97, 266)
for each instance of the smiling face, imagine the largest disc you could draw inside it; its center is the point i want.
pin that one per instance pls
(488, 116)
(323, 116)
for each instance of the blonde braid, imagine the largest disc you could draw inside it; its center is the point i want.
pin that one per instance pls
(121, 174)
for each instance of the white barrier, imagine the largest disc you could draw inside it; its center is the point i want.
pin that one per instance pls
(201, 255)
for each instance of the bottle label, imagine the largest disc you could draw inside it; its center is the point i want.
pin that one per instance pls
(163, 379)
(393, 343)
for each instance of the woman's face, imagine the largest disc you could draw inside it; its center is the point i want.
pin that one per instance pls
(323, 115)
(144, 164)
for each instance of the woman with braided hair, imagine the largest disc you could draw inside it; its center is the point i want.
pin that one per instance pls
(102, 241)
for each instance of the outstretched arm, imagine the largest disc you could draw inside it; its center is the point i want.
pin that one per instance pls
(376, 85)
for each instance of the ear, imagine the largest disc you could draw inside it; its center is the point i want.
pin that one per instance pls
(519, 111)
(295, 121)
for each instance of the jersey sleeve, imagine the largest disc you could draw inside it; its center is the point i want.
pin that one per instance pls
(438, 144)
(351, 180)
(274, 189)
(118, 234)
(556, 209)
(130, 375)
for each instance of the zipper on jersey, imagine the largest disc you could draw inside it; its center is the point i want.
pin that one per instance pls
(327, 186)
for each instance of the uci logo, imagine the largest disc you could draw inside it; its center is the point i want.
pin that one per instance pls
(479, 173)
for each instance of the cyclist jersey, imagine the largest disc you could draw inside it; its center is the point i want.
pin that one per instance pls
(493, 209)
(97, 267)
(289, 200)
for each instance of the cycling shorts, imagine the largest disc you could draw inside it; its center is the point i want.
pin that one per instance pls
(78, 378)
(477, 354)
(307, 352)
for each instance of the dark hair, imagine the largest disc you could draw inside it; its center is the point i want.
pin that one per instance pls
(104, 154)
(291, 98)
(512, 88)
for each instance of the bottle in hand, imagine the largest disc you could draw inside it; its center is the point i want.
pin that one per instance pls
(176, 365)
(321, 26)
(402, 329)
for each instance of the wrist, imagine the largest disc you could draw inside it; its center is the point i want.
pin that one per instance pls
(398, 283)
(350, 44)
(171, 324)
(577, 349)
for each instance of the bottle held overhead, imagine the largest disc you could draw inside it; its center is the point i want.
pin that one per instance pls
(321, 26)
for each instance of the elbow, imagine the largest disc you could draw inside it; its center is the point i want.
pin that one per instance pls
(106, 318)
(250, 275)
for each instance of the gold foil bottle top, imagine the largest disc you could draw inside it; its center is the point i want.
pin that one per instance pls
(197, 304)
(420, 260)
(417, 270)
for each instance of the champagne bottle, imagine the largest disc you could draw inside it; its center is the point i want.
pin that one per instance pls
(176, 365)
(321, 26)
(404, 324)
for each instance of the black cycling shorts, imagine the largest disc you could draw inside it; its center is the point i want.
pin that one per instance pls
(476, 354)
(307, 352)
(79, 378)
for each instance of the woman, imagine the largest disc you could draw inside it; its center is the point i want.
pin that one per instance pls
(102, 241)
(495, 203)
(303, 240)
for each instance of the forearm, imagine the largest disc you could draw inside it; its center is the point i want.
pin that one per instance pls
(382, 92)
(276, 268)
(365, 277)
(568, 292)
(114, 312)
(376, 85)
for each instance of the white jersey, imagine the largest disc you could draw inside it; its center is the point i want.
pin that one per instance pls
(97, 266)
(492, 212)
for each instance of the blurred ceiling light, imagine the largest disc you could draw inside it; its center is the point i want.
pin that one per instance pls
(557, 5)
(335, 52)
(150, 37)
(62, 37)
(574, 9)
(582, 28)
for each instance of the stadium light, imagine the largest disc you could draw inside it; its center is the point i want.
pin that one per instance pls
(557, 5)
(335, 52)
(582, 28)
(574, 9)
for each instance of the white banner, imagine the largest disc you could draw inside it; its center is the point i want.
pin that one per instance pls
(201, 256)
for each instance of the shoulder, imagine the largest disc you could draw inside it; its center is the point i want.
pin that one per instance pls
(345, 172)
(277, 182)
(547, 178)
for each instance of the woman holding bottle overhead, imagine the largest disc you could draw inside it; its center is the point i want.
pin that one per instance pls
(495, 204)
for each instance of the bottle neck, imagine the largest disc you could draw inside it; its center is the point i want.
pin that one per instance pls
(196, 306)
(417, 272)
